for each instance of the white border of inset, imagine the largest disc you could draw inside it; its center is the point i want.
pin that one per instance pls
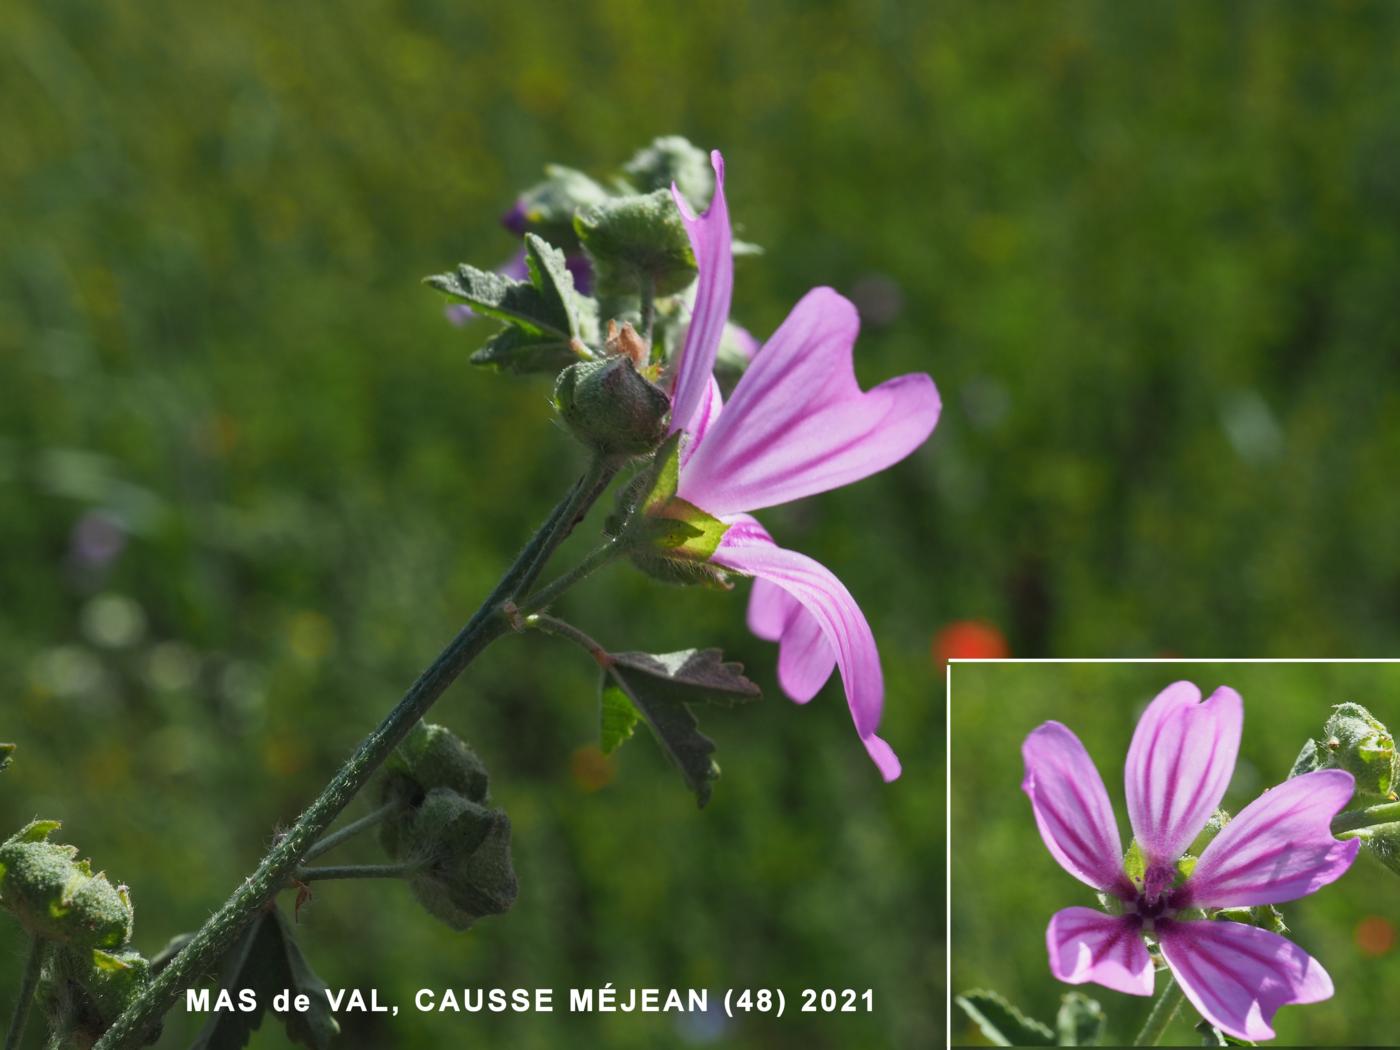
(948, 757)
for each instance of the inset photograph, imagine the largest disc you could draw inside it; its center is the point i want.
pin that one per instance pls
(1173, 853)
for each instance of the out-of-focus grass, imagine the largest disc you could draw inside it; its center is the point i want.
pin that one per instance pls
(1005, 884)
(1148, 256)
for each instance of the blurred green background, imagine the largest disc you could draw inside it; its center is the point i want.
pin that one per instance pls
(1005, 884)
(249, 485)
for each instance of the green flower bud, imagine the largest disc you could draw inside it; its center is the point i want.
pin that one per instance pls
(56, 896)
(466, 852)
(84, 991)
(611, 407)
(7, 752)
(431, 756)
(1354, 740)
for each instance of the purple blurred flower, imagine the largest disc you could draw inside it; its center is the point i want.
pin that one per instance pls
(797, 424)
(96, 539)
(1278, 848)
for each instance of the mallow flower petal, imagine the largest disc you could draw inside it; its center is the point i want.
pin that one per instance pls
(1279, 847)
(1238, 976)
(712, 243)
(1179, 765)
(747, 548)
(1087, 945)
(706, 412)
(805, 658)
(798, 423)
(1072, 809)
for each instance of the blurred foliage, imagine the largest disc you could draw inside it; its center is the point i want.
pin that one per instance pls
(249, 485)
(1005, 884)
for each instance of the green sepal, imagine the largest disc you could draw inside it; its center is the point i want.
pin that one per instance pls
(668, 538)
(672, 158)
(1265, 916)
(662, 688)
(267, 960)
(1080, 1021)
(465, 850)
(56, 896)
(1310, 758)
(1382, 841)
(7, 752)
(1002, 1023)
(636, 243)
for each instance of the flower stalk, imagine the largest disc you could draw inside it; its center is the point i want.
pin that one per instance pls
(221, 930)
(335, 838)
(38, 948)
(359, 871)
(1164, 1010)
(1352, 820)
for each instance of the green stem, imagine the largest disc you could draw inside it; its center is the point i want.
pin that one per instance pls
(599, 557)
(1163, 1012)
(358, 871)
(348, 832)
(601, 470)
(221, 930)
(38, 948)
(561, 629)
(648, 308)
(1385, 813)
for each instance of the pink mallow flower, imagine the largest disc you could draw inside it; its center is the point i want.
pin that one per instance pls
(796, 424)
(1278, 848)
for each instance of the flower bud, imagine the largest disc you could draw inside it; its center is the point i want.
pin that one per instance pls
(58, 897)
(1354, 740)
(611, 407)
(466, 849)
(672, 159)
(430, 757)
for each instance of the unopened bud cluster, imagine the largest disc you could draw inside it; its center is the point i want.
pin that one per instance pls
(461, 846)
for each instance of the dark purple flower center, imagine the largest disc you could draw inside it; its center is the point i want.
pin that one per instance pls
(1157, 898)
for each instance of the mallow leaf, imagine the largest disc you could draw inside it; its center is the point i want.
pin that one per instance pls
(1080, 1020)
(523, 353)
(661, 688)
(268, 960)
(635, 243)
(7, 752)
(1002, 1023)
(546, 307)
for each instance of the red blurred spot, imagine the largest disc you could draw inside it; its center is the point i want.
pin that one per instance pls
(969, 640)
(591, 769)
(1374, 935)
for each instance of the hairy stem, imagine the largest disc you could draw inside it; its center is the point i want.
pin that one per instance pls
(352, 829)
(1385, 813)
(1163, 1012)
(221, 930)
(38, 948)
(648, 308)
(595, 560)
(601, 470)
(358, 871)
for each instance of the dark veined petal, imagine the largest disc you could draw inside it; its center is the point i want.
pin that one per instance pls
(1238, 976)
